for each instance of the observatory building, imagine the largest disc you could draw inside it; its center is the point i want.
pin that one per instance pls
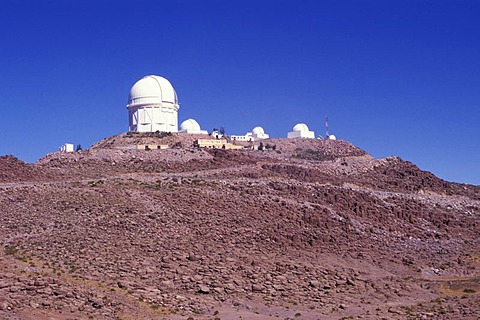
(191, 126)
(301, 131)
(331, 137)
(153, 106)
(257, 134)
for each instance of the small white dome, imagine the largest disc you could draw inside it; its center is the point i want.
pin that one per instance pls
(332, 137)
(151, 90)
(190, 124)
(258, 131)
(301, 127)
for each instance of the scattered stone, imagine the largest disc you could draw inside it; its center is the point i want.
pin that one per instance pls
(315, 283)
(395, 310)
(257, 288)
(350, 282)
(3, 305)
(203, 289)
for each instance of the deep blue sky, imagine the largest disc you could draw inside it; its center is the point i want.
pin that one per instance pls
(395, 77)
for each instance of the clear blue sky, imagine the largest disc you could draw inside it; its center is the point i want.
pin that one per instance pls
(395, 77)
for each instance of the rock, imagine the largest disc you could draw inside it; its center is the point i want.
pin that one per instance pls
(166, 285)
(394, 310)
(339, 283)
(203, 289)
(278, 287)
(46, 303)
(96, 302)
(96, 305)
(3, 305)
(350, 282)
(14, 289)
(219, 290)
(315, 283)
(230, 287)
(257, 287)
(192, 257)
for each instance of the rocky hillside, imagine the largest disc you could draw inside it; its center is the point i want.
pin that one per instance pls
(13, 169)
(311, 230)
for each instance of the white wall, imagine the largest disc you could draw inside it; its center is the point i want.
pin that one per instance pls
(301, 134)
(153, 118)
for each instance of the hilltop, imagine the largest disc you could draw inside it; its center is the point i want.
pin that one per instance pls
(310, 229)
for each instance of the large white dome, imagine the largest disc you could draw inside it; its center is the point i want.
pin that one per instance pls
(152, 106)
(151, 90)
(190, 125)
(301, 127)
(301, 131)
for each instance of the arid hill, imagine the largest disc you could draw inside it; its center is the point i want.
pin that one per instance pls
(307, 229)
(13, 169)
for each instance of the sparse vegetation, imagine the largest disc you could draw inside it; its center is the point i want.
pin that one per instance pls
(11, 249)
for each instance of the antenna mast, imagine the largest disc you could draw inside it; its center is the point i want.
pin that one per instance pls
(326, 127)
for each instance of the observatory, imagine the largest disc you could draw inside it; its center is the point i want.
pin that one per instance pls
(191, 126)
(257, 134)
(301, 131)
(331, 137)
(153, 106)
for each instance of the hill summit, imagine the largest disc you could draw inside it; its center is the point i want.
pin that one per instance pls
(301, 229)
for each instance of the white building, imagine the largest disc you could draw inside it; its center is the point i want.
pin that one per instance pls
(331, 137)
(192, 127)
(67, 147)
(153, 106)
(216, 134)
(257, 134)
(301, 131)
